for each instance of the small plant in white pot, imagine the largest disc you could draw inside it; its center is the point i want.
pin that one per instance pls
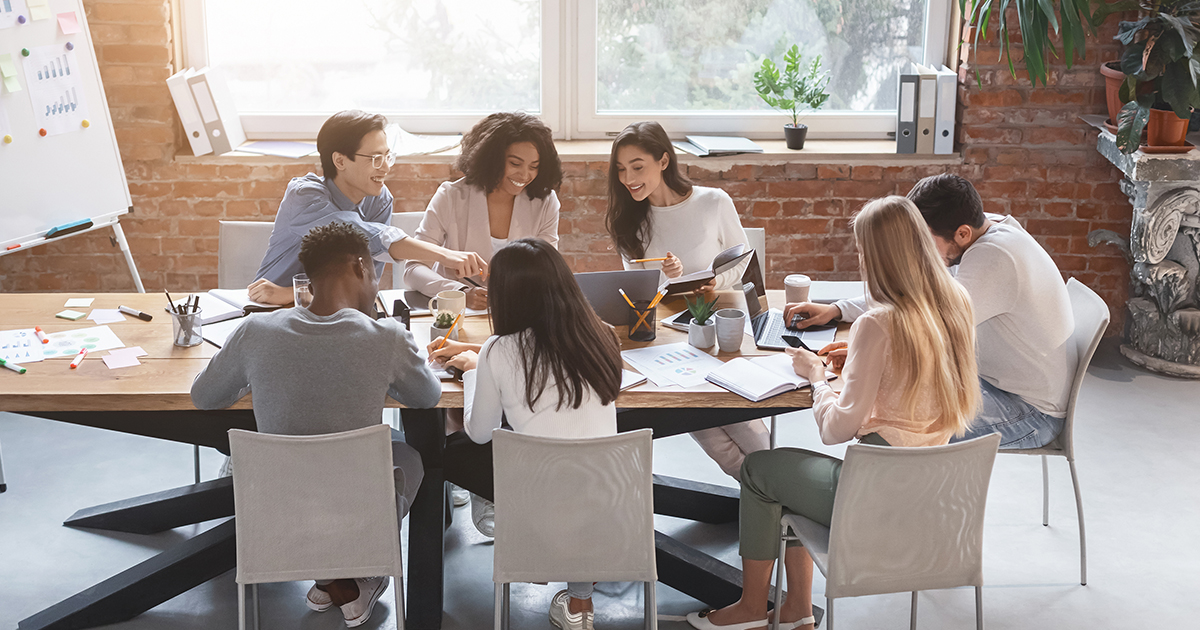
(702, 331)
(807, 90)
(442, 324)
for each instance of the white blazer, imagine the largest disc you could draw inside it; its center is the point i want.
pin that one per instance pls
(457, 219)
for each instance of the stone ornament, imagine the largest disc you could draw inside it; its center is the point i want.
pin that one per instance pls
(1154, 235)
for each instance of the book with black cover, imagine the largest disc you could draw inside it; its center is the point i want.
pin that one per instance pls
(724, 261)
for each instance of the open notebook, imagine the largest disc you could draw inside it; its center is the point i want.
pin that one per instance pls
(220, 305)
(761, 378)
(723, 262)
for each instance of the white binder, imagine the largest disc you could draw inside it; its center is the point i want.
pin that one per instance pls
(947, 103)
(189, 115)
(217, 110)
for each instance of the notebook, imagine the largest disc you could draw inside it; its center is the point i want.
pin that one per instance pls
(724, 145)
(631, 379)
(759, 379)
(723, 262)
(220, 305)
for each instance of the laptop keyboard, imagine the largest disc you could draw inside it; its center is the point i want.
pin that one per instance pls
(769, 329)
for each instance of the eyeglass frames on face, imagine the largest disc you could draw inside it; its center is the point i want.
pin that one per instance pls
(379, 159)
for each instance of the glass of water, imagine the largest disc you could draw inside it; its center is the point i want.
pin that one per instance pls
(302, 290)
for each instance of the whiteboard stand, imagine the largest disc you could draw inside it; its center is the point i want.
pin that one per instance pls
(112, 221)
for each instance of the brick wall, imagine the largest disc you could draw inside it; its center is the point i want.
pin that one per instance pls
(1025, 149)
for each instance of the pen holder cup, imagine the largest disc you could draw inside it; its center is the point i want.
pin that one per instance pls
(642, 322)
(185, 329)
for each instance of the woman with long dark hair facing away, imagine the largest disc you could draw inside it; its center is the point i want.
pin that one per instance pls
(910, 380)
(654, 211)
(552, 369)
(510, 171)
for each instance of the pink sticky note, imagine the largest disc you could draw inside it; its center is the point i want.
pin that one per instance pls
(68, 22)
(124, 360)
(135, 351)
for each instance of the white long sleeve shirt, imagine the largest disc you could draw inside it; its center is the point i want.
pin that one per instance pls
(696, 230)
(496, 389)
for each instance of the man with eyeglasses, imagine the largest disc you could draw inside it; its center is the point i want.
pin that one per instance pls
(355, 160)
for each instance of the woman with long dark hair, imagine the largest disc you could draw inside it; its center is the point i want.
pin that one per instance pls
(552, 369)
(655, 211)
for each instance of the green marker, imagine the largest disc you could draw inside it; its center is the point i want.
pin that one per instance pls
(12, 366)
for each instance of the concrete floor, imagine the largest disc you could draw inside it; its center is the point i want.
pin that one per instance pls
(1136, 437)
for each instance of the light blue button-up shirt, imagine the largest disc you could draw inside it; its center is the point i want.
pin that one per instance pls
(311, 201)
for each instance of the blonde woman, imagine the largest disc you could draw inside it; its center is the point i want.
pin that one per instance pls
(910, 380)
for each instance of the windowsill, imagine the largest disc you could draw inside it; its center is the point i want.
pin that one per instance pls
(774, 152)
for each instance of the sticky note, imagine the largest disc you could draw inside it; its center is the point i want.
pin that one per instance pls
(79, 302)
(122, 360)
(12, 84)
(7, 67)
(40, 13)
(68, 22)
(106, 316)
(71, 315)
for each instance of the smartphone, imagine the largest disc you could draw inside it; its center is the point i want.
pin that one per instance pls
(796, 342)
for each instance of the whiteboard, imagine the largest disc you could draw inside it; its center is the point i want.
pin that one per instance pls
(59, 178)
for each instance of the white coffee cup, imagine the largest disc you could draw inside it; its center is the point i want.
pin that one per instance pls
(731, 327)
(796, 288)
(451, 301)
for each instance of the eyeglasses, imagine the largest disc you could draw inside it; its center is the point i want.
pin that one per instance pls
(378, 160)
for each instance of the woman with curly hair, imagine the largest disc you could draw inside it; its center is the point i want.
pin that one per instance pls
(510, 170)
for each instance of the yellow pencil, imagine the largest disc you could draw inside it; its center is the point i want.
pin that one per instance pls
(627, 299)
(642, 260)
(450, 332)
(657, 296)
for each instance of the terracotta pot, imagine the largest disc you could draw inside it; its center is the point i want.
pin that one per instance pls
(1166, 129)
(1113, 78)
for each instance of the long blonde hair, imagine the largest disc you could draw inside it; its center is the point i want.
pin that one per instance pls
(932, 324)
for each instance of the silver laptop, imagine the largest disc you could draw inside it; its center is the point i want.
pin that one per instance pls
(772, 333)
(600, 289)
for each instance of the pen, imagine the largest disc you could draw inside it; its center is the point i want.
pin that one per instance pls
(195, 304)
(132, 311)
(37, 330)
(645, 260)
(473, 283)
(12, 366)
(449, 332)
(78, 358)
(629, 301)
(170, 302)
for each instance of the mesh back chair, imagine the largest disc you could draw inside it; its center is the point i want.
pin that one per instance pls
(409, 222)
(1091, 319)
(240, 250)
(904, 519)
(295, 520)
(573, 511)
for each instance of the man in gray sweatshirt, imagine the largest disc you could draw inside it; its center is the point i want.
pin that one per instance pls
(1023, 316)
(325, 369)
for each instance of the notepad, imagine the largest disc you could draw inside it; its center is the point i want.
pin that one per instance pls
(723, 262)
(631, 379)
(759, 379)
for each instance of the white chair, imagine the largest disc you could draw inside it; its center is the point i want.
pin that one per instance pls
(573, 511)
(409, 222)
(904, 519)
(1091, 319)
(240, 250)
(295, 520)
(757, 238)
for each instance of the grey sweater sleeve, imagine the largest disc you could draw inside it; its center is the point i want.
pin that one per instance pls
(413, 384)
(225, 379)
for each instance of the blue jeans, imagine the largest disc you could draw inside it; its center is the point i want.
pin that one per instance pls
(1020, 424)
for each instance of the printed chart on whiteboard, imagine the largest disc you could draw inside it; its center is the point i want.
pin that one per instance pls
(59, 105)
(10, 10)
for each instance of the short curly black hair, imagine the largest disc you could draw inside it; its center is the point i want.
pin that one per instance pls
(483, 149)
(331, 243)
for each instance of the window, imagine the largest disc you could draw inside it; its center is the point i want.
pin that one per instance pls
(588, 67)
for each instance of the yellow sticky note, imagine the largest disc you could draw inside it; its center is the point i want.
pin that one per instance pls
(12, 84)
(7, 67)
(40, 13)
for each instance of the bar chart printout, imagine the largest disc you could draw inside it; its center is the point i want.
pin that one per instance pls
(10, 10)
(59, 104)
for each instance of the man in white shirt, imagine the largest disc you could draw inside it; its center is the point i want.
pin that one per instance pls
(355, 160)
(1023, 314)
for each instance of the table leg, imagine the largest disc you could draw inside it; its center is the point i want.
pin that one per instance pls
(695, 500)
(424, 430)
(160, 511)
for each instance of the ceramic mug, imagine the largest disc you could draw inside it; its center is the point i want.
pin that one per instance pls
(731, 328)
(453, 302)
(796, 287)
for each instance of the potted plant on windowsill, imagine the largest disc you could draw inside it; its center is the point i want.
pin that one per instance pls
(1158, 54)
(807, 90)
(702, 331)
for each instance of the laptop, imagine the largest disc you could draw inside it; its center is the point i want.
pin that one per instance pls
(771, 332)
(600, 289)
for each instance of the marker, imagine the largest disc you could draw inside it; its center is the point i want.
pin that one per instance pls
(78, 358)
(136, 313)
(12, 366)
(12, 247)
(37, 330)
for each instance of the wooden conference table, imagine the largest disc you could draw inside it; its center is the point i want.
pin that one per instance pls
(153, 400)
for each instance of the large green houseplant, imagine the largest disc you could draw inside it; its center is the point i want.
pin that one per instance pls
(807, 90)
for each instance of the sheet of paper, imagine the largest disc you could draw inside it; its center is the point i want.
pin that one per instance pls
(401, 142)
(79, 302)
(59, 103)
(135, 351)
(280, 148)
(818, 337)
(20, 346)
(106, 316)
(677, 363)
(10, 10)
(123, 360)
(66, 344)
(68, 22)
(422, 341)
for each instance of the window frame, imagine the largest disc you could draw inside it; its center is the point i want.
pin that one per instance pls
(569, 80)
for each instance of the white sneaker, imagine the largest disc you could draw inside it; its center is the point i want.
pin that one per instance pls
(561, 616)
(459, 496)
(483, 513)
(358, 611)
(318, 600)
